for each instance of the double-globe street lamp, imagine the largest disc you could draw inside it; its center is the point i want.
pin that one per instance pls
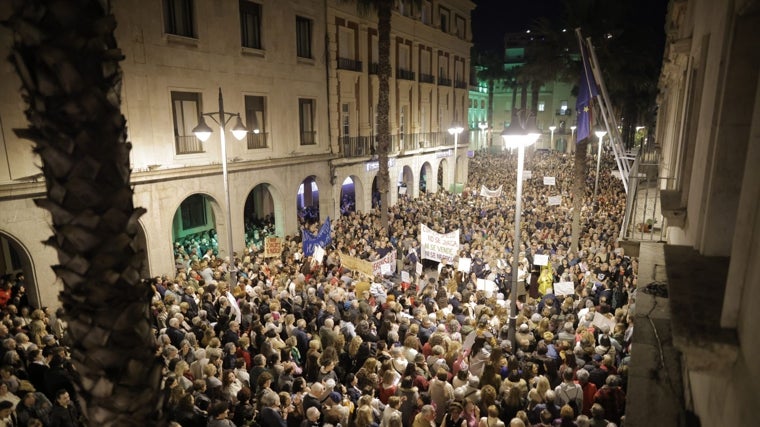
(203, 132)
(455, 130)
(515, 136)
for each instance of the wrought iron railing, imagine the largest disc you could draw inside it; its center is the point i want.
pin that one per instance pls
(257, 140)
(443, 81)
(404, 74)
(188, 144)
(349, 64)
(427, 78)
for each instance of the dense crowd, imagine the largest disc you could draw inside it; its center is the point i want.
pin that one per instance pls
(293, 341)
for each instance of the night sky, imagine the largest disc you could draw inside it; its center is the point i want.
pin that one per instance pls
(493, 18)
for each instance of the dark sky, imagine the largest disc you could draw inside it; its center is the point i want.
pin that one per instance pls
(491, 19)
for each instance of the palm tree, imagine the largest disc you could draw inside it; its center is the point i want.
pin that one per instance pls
(66, 55)
(492, 70)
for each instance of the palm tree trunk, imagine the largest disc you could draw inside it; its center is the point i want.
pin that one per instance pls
(383, 105)
(579, 191)
(66, 56)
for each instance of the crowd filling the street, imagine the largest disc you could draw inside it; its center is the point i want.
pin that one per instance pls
(342, 334)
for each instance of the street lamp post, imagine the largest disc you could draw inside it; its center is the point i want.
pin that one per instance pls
(483, 126)
(515, 136)
(455, 130)
(599, 134)
(203, 132)
(552, 128)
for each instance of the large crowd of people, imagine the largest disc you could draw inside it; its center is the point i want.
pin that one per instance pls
(294, 341)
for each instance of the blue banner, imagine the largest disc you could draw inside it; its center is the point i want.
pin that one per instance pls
(322, 238)
(587, 91)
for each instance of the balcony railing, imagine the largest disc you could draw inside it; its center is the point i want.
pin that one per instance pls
(308, 137)
(361, 146)
(356, 146)
(188, 144)
(565, 112)
(374, 67)
(349, 64)
(427, 78)
(404, 74)
(257, 140)
(460, 84)
(443, 81)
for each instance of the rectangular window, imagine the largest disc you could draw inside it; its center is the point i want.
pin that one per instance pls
(256, 119)
(427, 12)
(443, 65)
(186, 111)
(461, 27)
(179, 18)
(541, 106)
(424, 61)
(563, 106)
(345, 120)
(346, 45)
(303, 37)
(250, 24)
(306, 121)
(443, 15)
(193, 211)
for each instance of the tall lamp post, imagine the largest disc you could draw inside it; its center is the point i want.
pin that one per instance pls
(203, 132)
(483, 126)
(599, 134)
(552, 128)
(515, 136)
(455, 130)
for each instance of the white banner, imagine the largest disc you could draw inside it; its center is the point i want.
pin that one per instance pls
(555, 200)
(549, 180)
(564, 288)
(438, 246)
(485, 192)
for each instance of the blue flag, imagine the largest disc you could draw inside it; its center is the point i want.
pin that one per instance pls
(322, 238)
(587, 91)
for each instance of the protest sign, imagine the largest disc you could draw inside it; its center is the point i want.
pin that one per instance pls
(272, 246)
(549, 180)
(555, 200)
(464, 265)
(436, 246)
(540, 259)
(564, 288)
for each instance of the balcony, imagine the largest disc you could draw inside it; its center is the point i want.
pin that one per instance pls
(404, 74)
(460, 84)
(308, 137)
(565, 112)
(427, 78)
(374, 67)
(187, 144)
(443, 81)
(356, 146)
(349, 64)
(257, 140)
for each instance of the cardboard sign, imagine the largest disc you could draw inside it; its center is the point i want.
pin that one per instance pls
(549, 180)
(564, 288)
(272, 246)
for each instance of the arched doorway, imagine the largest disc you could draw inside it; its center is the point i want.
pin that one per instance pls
(441, 173)
(406, 182)
(375, 194)
(347, 196)
(17, 268)
(196, 227)
(258, 215)
(307, 201)
(425, 177)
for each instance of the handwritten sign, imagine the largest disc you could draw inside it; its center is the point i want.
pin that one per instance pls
(272, 246)
(564, 288)
(437, 246)
(555, 200)
(549, 180)
(405, 277)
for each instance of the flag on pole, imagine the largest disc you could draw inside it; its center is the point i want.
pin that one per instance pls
(587, 91)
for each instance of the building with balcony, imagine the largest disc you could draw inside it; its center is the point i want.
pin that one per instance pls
(300, 75)
(556, 103)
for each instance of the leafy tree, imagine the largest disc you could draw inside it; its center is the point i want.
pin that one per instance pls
(66, 55)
